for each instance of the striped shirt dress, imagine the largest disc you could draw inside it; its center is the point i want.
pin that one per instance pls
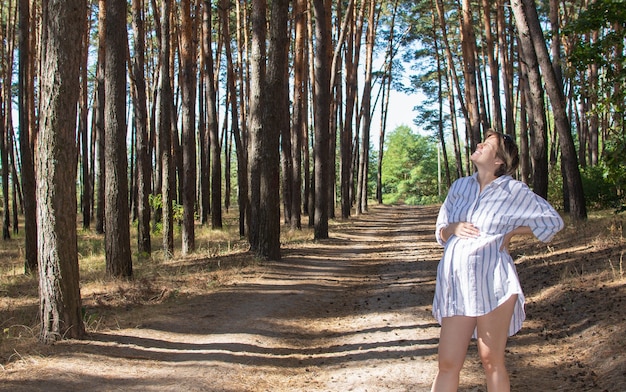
(474, 276)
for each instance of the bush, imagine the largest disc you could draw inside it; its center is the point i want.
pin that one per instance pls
(600, 191)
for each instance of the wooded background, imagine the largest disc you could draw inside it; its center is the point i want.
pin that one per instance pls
(170, 112)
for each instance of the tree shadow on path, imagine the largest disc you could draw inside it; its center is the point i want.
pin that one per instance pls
(350, 310)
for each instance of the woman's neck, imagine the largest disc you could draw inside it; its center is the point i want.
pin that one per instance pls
(485, 178)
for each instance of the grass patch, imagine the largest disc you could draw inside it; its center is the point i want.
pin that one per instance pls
(221, 257)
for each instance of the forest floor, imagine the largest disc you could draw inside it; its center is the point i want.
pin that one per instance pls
(351, 313)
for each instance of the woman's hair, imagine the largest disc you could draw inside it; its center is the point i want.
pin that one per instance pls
(507, 152)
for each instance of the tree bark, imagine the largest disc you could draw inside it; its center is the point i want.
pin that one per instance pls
(523, 142)
(211, 108)
(507, 66)
(188, 140)
(59, 290)
(386, 90)
(352, 58)
(366, 110)
(117, 230)
(99, 119)
(440, 99)
(141, 121)
(532, 87)
(240, 128)
(275, 123)
(83, 131)
(4, 159)
(494, 68)
(299, 115)
(321, 12)
(528, 24)
(234, 100)
(468, 46)
(453, 84)
(255, 148)
(165, 132)
(26, 104)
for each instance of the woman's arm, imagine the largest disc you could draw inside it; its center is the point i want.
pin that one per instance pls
(522, 230)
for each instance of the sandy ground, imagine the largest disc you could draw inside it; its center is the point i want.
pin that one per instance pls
(351, 313)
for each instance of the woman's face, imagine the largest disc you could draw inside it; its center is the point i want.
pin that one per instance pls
(485, 153)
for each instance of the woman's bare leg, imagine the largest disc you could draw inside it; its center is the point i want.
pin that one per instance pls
(454, 339)
(493, 331)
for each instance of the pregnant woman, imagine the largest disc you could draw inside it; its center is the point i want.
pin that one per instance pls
(478, 293)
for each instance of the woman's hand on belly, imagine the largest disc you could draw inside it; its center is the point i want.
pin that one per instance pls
(464, 230)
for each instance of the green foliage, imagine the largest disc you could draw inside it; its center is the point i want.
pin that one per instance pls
(156, 203)
(409, 171)
(555, 187)
(600, 190)
(615, 160)
(600, 16)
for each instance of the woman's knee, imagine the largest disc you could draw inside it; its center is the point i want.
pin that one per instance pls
(492, 361)
(451, 363)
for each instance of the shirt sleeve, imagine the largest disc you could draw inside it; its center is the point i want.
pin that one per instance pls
(442, 218)
(442, 221)
(535, 212)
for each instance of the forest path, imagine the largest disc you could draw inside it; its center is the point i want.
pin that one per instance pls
(351, 313)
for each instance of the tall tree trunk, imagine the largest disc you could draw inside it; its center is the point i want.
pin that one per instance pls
(83, 118)
(286, 160)
(175, 64)
(240, 129)
(238, 134)
(307, 135)
(345, 137)
(366, 109)
(233, 100)
(165, 131)
(15, 188)
(5, 127)
(188, 140)
(275, 123)
(4, 159)
(507, 66)
(299, 115)
(494, 68)
(458, 153)
(26, 103)
(468, 46)
(453, 84)
(99, 119)
(440, 93)
(141, 128)
(594, 122)
(204, 155)
(321, 12)
(212, 124)
(555, 47)
(117, 232)
(384, 110)
(528, 24)
(538, 127)
(59, 290)
(255, 148)
(523, 142)
(286, 150)
(347, 147)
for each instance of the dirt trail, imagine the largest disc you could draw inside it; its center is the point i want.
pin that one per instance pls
(351, 313)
